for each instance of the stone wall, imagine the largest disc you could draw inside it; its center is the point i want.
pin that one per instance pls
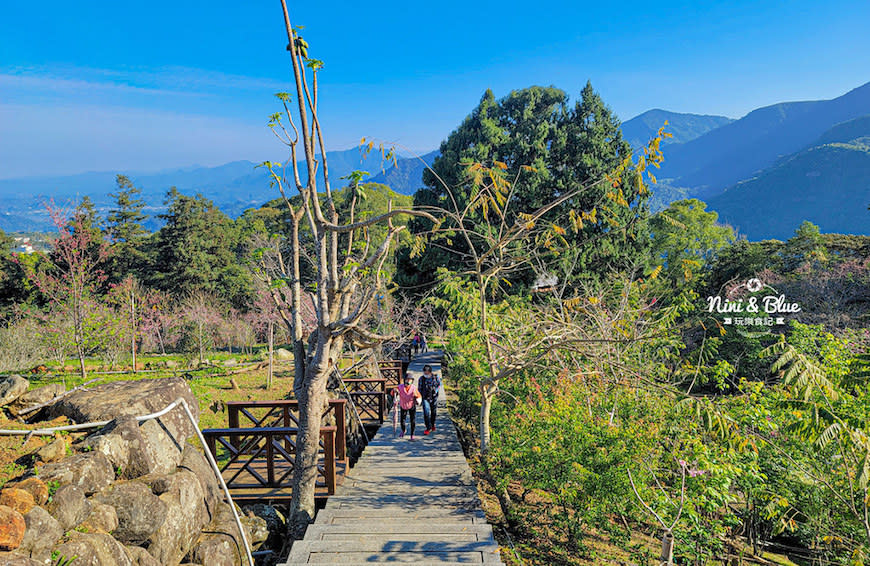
(129, 494)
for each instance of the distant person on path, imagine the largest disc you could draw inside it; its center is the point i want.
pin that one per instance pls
(415, 342)
(423, 347)
(429, 385)
(409, 397)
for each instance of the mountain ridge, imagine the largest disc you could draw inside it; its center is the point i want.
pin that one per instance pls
(683, 127)
(738, 150)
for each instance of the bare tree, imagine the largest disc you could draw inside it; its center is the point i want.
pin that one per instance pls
(346, 262)
(499, 242)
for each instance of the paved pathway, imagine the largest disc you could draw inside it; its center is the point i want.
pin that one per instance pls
(405, 501)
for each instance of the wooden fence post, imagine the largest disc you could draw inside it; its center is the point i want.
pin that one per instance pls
(329, 458)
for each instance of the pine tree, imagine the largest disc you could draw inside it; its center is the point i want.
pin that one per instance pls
(547, 149)
(124, 227)
(196, 251)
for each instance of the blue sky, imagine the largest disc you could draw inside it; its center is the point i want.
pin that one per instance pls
(151, 85)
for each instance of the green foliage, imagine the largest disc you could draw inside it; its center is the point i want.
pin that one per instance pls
(126, 232)
(532, 147)
(57, 559)
(685, 237)
(197, 250)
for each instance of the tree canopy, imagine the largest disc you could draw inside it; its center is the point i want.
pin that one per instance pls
(547, 149)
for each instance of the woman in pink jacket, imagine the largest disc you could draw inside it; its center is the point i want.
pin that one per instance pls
(409, 397)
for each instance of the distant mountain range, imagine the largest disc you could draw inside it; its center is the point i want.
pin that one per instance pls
(739, 150)
(828, 183)
(764, 173)
(682, 127)
(234, 187)
(778, 166)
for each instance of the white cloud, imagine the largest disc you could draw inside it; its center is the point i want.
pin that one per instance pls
(159, 81)
(49, 140)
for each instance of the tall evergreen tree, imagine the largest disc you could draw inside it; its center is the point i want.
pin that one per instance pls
(589, 146)
(13, 286)
(547, 149)
(196, 251)
(126, 232)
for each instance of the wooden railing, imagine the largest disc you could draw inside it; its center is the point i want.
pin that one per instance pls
(284, 413)
(391, 370)
(370, 397)
(258, 463)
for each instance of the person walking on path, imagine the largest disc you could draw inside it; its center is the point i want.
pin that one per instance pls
(415, 342)
(429, 384)
(409, 397)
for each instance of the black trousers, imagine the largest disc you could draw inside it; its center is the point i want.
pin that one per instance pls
(413, 418)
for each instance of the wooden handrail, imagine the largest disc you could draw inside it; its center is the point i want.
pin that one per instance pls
(287, 419)
(270, 450)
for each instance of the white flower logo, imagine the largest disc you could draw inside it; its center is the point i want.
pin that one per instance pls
(754, 285)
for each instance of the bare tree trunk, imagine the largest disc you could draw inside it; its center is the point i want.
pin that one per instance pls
(312, 398)
(487, 391)
(271, 353)
(160, 339)
(200, 339)
(133, 328)
(81, 355)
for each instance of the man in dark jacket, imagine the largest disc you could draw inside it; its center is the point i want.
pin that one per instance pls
(429, 385)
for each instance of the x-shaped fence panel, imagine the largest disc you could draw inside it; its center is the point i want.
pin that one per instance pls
(263, 458)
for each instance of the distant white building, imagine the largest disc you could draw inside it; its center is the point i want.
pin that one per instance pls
(24, 246)
(545, 282)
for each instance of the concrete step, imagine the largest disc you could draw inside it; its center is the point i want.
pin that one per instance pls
(406, 502)
(398, 504)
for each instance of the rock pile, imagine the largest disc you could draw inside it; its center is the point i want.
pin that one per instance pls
(129, 494)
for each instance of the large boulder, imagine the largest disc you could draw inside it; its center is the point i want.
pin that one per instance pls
(140, 556)
(274, 520)
(36, 397)
(185, 516)
(41, 533)
(15, 559)
(35, 487)
(195, 461)
(94, 549)
(12, 527)
(282, 354)
(256, 528)
(69, 506)
(138, 398)
(102, 519)
(51, 452)
(90, 471)
(136, 448)
(11, 388)
(140, 512)
(220, 543)
(18, 499)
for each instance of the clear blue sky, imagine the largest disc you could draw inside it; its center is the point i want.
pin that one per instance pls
(149, 85)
